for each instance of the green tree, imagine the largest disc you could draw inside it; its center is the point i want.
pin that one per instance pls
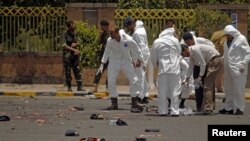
(208, 21)
(88, 36)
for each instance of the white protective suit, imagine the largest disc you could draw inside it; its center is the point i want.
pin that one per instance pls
(140, 37)
(121, 55)
(236, 57)
(186, 90)
(165, 55)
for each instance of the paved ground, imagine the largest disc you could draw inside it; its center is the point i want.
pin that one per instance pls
(47, 119)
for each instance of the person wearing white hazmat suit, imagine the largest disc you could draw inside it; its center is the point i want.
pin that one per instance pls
(236, 59)
(139, 35)
(123, 55)
(165, 55)
(186, 88)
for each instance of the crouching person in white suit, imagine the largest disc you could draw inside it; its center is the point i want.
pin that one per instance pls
(165, 55)
(186, 88)
(123, 55)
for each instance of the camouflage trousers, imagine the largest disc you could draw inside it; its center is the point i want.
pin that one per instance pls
(72, 62)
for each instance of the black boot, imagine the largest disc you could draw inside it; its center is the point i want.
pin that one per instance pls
(114, 104)
(69, 86)
(79, 85)
(135, 107)
(182, 105)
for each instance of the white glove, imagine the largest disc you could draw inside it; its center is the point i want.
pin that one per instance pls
(185, 83)
(100, 70)
(197, 82)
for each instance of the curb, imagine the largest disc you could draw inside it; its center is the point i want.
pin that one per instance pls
(31, 93)
(43, 93)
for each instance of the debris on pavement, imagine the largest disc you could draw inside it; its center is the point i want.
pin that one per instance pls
(97, 116)
(41, 121)
(152, 130)
(140, 139)
(71, 132)
(74, 108)
(92, 139)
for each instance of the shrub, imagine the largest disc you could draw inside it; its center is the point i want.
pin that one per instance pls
(88, 37)
(208, 21)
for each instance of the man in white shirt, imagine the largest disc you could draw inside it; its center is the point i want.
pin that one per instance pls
(190, 39)
(210, 63)
(123, 55)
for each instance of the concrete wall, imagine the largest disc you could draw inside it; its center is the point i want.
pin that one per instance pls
(92, 13)
(42, 68)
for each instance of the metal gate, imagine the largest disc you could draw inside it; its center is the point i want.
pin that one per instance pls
(31, 29)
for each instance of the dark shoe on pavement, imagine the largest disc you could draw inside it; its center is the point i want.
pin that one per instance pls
(145, 100)
(140, 139)
(79, 89)
(114, 104)
(224, 111)
(71, 132)
(4, 118)
(112, 107)
(120, 122)
(238, 112)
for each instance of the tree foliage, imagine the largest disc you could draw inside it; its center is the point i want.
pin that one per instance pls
(88, 37)
(123, 4)
(171, 4)
(208, 21)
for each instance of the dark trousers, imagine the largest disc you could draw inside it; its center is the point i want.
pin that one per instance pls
(198, 91)
(98, 76)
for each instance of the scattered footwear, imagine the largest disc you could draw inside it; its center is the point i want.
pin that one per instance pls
(238, 112)
(224, 111)
(92, 139)
(4, 118)
(140, 139)
(120, 122)
(135, 108)
(145, 100)
(71, 132)
(114, 104)
(152, 130)
(97, 116)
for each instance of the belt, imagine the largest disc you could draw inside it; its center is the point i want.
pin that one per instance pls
(217, 56)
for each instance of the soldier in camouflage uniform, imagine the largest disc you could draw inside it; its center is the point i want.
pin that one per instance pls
(71, 56)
